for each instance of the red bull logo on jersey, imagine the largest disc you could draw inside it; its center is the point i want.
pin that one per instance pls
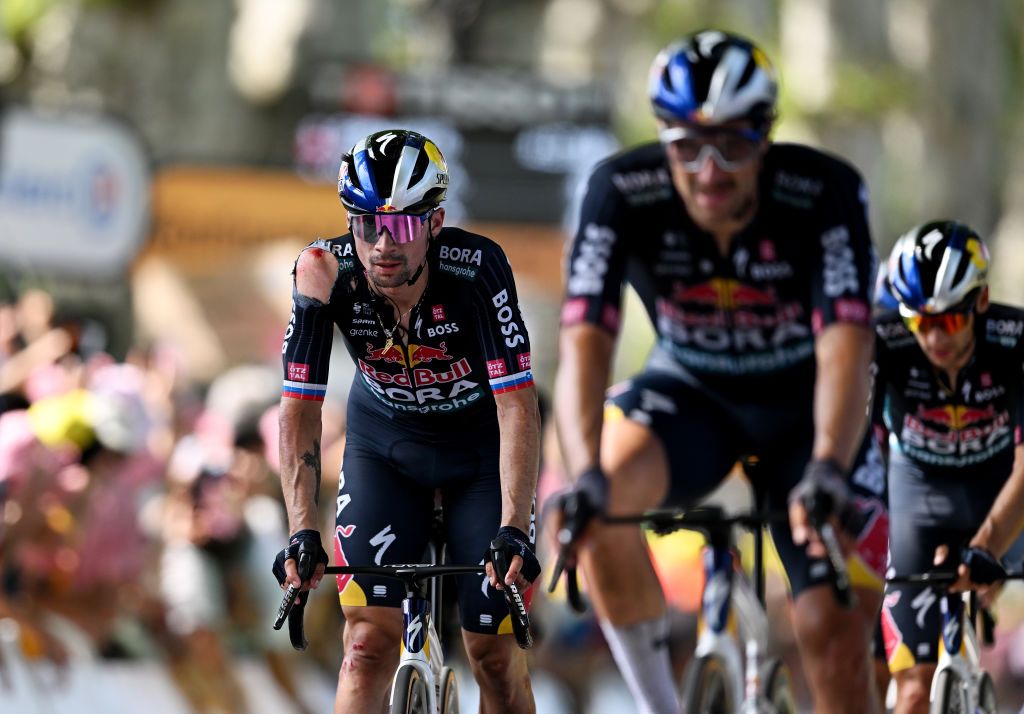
(418, 354)
(724, 294)
(955, 434)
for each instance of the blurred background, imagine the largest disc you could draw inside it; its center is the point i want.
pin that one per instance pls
(162, 162)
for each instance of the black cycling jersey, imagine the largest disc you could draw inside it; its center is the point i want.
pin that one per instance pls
(945, 428)
(733, 370)
(727, 322)
(421, 415)
(467, 340)
(950, 451)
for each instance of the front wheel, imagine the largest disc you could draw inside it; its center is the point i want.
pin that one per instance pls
(409, 695)
(449, 692)
(950, 694)
(987, 703)
(706, 687)
(777, 688)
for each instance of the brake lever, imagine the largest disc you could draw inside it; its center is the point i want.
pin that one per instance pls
(818, 508)
(513, 598)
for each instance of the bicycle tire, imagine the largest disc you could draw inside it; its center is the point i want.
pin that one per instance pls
(449, 692)
(987, 701)
(409, 695)
(950, 694)
(706, 687)
(777, 687)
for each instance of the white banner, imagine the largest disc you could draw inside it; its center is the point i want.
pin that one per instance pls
(74, 194)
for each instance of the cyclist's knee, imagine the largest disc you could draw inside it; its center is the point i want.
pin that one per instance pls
(370, 642)
(493, 661)
(913, 688)
(826, 631)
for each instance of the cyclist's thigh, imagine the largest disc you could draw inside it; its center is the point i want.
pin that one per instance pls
(472, 516)
(911, 619)
(701, 443)
(382, 518)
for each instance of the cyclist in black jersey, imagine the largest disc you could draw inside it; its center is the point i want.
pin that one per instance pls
(442, 401)
(947, 402)
(754, 262)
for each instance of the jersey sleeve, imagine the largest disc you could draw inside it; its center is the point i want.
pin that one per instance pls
(596, 259)
(504, 341)
(845, 259)
(306, 350)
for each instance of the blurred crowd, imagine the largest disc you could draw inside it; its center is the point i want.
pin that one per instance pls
(140, 512)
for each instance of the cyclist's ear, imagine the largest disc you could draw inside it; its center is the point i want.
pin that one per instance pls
(436, 221)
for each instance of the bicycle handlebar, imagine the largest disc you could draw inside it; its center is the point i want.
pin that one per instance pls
(662, 522)
(943, 577)
(293, 604)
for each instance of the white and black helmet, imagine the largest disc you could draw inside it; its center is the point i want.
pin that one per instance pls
(713, 77)
(393, 171)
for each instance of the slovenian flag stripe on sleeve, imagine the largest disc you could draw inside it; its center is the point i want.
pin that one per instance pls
(301, 390)
(511, 382)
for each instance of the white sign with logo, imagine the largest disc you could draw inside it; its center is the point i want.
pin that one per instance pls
(74, 194)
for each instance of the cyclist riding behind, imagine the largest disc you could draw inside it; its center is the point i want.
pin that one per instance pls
(754, 262)
(948, 396)
(443, 399)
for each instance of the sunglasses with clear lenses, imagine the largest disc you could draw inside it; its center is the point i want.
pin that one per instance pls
(731, 149)
(403, 227)
(950, 322)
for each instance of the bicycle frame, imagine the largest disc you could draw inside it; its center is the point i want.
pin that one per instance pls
(960, 650)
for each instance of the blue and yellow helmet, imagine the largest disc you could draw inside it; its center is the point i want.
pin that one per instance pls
(937, 266)
(713, 77)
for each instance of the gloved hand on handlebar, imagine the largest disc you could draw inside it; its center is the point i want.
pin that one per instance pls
(516, 543)
(309, 556)
(983, 567)
(587, 498)
(822, 494)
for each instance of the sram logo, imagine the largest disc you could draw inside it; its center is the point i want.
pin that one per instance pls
(509, 328)
(446, 329)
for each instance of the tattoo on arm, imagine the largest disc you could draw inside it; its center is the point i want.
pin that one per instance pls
(312, 459)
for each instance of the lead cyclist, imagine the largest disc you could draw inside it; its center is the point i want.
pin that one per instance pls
(754, 262)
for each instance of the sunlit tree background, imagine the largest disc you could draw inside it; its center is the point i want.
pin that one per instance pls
(239, 111)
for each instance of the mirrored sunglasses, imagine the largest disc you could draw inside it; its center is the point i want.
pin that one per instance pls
(731, 149)
(403, 227)
(950, 322)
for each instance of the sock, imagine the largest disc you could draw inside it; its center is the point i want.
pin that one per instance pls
(641, 651)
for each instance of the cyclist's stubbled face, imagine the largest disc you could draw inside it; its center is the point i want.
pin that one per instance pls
(389, 264)
(951, 350)
(717, 198)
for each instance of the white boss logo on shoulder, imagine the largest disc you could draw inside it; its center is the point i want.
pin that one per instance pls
(505, 314)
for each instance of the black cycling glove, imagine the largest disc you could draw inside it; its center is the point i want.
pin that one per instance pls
(984, 568)
(518, 543)
(823, 490)
(305, 549)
